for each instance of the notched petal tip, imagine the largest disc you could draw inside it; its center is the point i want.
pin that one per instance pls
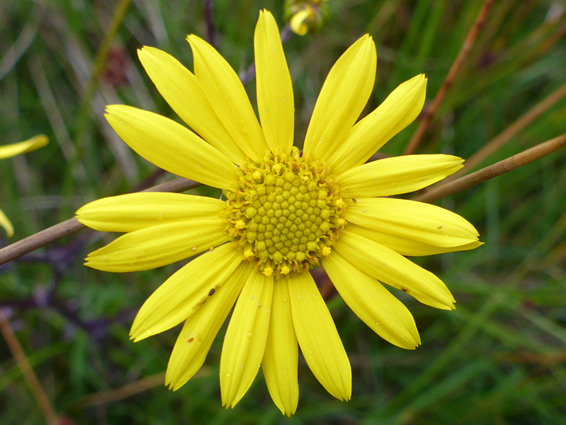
(108, 108)
(447, 300)
(148, 50)
(142, 51)
(458, 162)
(286, 411)
(416, 345)
(194, 40)
(97, 263)
(419, 82)
(94, 262)
(417, 85)
(137, 337)
(172, 385)
(138, 332)
(147, 54)
(448, 306)
(112, 110)
(367, 47)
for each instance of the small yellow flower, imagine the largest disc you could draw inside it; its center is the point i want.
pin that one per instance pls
(14, 149)
(305, 15)
(285, 213)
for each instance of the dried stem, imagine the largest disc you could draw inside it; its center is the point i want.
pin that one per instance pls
(512, 130)
(487, 173)
(27, 371)
(121, 393)
(456, 66)
(37, 240)
(71, 226)
(210, 32)
(130, 389)
(177, 185)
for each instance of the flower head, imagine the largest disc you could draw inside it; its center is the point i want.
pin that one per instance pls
(285, 212)
(14, 149)
(305, 15)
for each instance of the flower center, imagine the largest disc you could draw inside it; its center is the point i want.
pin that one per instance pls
(285, 212)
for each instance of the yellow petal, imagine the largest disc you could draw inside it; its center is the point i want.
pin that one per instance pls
(343, 97)
(375, 305)
(274, 89)
(227, 96)
(318, 338)
(32, 144)
(389, 267)
(396, 112)
(5, 223)
(414, 220)
(244, 343)
(135, 211)
(180, 89)
(185, 292)
(281, 359)
(298, 22)
(171, 146)
(405, 246)
(401, 174)
(157, 246)
(199, 331)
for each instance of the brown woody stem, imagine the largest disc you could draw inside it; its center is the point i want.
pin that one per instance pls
(454, 69)
(27, 371)
(71, 226)
(512, 130)
(487, 173)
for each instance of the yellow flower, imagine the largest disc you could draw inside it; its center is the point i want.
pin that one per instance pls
(305, 15)
(285, 212)
(14, 149)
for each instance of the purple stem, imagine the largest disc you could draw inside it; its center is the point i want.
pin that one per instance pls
(209, 23)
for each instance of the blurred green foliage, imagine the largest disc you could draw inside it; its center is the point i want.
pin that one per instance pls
(499, 358)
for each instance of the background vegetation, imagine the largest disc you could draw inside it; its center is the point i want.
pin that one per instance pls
(499, 358)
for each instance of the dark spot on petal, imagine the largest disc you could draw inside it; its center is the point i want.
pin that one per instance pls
(212, 291)
(191, 340)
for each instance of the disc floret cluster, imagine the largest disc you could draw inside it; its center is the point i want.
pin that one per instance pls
(285, 212)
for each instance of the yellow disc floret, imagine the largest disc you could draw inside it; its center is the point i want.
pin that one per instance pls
(285, 212)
